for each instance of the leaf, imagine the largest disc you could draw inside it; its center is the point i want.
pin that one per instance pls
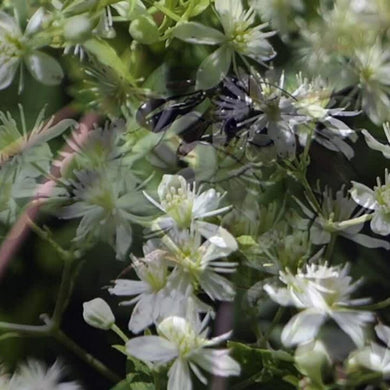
(129, 385)
(106, 55)
(10, 335)
(265, 366)
(44, 68)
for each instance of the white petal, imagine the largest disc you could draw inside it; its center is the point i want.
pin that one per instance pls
(179, 376)
(214, 68)
(367, 241)
(279, 295)
(352, 323)
(124, 287)
(151, 349)
(363, 196)
(35, 21)
(383, 332)
(7, 72)
(193, 32)
(142, 315)
(44, 68)
(380, 223)
(302, 327)
(375, 145)
(217, 362)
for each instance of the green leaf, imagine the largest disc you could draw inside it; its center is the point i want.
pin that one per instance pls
(198, 33)
(128, 384)
(265, 366)
(10, 335)
(106, 55)
(44, 68)
(214, 68)
(199, 7)
(246, 241)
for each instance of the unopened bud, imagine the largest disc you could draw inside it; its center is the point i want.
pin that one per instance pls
(98, 314)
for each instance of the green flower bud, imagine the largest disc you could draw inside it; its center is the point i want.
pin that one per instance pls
(98, 314)
(312, 360)
(77, 28)
(144, 30)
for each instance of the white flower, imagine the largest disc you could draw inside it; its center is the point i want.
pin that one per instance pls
(321, 292)
(106, 200)
(33, 375)
(238, 37)
(185, 344)
(184, 204)
(335, 209)
(375, 145)
(199, 263)
(154, 297)
(375, 357)
(15, 47)
(377, 200)
(372, 66)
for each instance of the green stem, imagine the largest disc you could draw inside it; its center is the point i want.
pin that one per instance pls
(352, 222)
(63, 293)
(85, 356)
(31, 330)
(330, 246)
(275, 321)
(375, 306)
(119, 332)
(167, 12)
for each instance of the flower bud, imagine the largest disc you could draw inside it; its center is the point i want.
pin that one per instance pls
(144, 30)
(312, 360)
(98, 314)
(77, 28)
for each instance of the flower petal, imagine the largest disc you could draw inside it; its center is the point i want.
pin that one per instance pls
(44, 68)
(214, 68)
(217, 362)
(363, 196)
(380, 223)
(151, 349)
(193, 32)
(179, 376)
(302, 327)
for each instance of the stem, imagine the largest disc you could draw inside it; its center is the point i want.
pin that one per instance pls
(31, 330)
(167, 12)
(330, 246)
(375, 306)
(85, 356)
(275, 320)
(63, 293)
(119, 332)
(352, 222)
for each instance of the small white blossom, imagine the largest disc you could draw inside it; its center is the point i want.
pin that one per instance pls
(199, 263)
(16, 47)
(336, 209)
(321, 292)
(375, 357)
(239, 37)
(154, 297)
(377, 200)
(186, 344)
(184, 203)
(34, 375)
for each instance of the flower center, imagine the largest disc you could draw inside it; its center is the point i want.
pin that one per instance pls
(178, 204)
(383, 197)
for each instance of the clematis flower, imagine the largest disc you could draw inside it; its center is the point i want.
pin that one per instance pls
(375, 357)
(377, 200)
(238, 37)
(108, 201)
(154, 297)
(337, 208)
(371, 66)
(199, 263)
(16, 47)
(33, 375)
(183, 204)
(184, 343)
(321, 292)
